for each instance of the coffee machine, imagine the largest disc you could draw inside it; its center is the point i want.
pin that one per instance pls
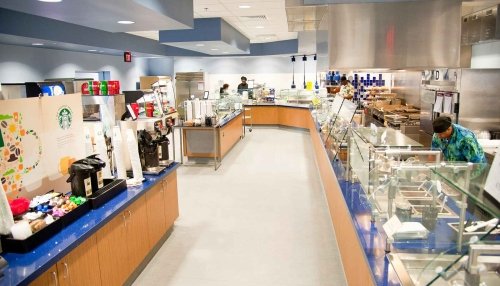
(148, 153)
(162, 130)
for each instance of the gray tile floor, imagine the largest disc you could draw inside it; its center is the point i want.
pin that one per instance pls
(261, 219)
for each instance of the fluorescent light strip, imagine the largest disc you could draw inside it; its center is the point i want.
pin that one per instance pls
(245, 6)
(125, 22)
(50, 1)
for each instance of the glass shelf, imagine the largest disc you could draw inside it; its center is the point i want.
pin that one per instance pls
(455, 174)
(386, 137)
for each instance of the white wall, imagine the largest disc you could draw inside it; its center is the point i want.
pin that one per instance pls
(486, 55)
(274, 71)
(22, 64)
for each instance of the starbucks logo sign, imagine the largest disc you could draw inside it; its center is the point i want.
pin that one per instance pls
(65, 117)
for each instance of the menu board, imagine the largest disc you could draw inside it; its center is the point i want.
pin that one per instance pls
(40, 138)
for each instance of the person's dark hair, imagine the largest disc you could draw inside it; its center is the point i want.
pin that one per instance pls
(243, 78)
(343, 78)
(225, 86)
(441, 124)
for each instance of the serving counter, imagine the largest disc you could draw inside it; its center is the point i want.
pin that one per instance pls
(212, 142)
(358, 216)
(107, 246)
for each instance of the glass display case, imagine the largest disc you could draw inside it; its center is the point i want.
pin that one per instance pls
(438, 224)
(439, 228)
(335, 131)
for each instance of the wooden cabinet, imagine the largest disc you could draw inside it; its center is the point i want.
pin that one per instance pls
(123, 243)
(230, 134)
(80, 267)
(294, 117)
(137, 232)
(111, 255)
(262, 115)
(171, 200)
(112, 249)
(49, 278)
(156, 213)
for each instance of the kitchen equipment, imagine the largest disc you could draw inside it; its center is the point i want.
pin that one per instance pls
(148, 150)
(96, 177)
(80, 179)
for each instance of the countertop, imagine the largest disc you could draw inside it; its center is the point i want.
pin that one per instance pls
(289, 104)
(24, 268)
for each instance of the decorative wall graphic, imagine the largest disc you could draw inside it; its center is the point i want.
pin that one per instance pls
(13, 158)
(40, 138)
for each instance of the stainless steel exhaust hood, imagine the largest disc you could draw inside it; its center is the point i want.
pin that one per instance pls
(405, 35)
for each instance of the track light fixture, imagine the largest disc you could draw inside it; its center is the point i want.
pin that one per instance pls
(304, 58)
(293, 59)
(315, 57)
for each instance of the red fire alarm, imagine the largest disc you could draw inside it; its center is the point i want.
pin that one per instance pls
(127, 57)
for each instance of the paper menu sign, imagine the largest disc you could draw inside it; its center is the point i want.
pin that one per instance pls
(438, 105)
(392, 226)
(448, 104)
(492, 185)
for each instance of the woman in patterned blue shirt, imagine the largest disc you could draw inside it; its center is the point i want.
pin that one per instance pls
(457, 142)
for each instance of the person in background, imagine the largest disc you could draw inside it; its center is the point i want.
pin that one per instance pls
(346, 88)
(224, 89)
(243, 85)
(456, 142)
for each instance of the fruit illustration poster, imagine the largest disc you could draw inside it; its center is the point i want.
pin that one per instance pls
(21, 147)
(62, 137)
(39, 139)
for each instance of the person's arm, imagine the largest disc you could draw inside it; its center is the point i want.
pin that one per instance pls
(434, 146)
(472, 151)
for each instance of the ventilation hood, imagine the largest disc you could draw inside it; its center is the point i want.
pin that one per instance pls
(404, 35)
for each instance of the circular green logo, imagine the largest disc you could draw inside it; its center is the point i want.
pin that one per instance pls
(65, 117)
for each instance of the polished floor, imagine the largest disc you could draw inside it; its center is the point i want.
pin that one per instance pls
(261, 219)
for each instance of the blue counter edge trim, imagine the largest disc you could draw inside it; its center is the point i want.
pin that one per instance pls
(8, 279)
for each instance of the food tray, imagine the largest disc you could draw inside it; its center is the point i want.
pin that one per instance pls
(111, 189)
(9, 244)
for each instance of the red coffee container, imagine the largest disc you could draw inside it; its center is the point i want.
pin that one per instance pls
(96, 86)
(85, 88)
(149, 109)
(135, 108)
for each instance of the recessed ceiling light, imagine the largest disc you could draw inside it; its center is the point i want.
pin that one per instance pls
(200, 45)
(259, 27)
(92, 50)
(37, 44)
(245, 6)
(214, 49)
(126, 22)
(50, 1)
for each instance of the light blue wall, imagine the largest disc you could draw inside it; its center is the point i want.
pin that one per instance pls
(161, 66)
(22, 64)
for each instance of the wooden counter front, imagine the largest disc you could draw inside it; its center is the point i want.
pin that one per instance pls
(277, 115)
(198, 142)
(230, 134)
(262, 115)
(356, 267)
